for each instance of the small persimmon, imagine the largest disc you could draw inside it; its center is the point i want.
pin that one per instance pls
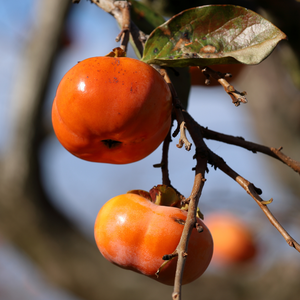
(234, 242)
(135, 233)
(112, 110)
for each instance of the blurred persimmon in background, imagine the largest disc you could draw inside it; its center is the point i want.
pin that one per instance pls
(234, 242)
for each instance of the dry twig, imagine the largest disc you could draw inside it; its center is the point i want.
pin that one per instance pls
(236, 96)
(164, 164)
(201, 166)
(251, 190)
(125, 31)
(218, 162)
(109, 6)
(241, 142)
(178, 111)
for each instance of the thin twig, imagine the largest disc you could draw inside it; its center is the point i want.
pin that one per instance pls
(183, 140)
(236, 96)
(137, 36)
(191, 220)
(250, 189)
(218, 162)
(241, 142)
(164, 164)
(125, 31)
(190, 223)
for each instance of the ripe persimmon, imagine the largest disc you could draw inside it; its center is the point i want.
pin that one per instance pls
(234, 242)
(134, 233)
(112, 110)
(197, 77)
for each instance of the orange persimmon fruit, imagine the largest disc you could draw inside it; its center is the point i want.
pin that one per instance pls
(112, 110)
(234, 242)
(135, 233)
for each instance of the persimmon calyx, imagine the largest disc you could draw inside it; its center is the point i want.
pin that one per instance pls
(185, 206)
(161, 195)
(116, 52)
(165, 195)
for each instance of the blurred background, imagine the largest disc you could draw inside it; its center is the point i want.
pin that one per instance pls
(49, 199)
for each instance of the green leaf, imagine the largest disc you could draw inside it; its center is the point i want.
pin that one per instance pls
(212, 34)
(145, 18)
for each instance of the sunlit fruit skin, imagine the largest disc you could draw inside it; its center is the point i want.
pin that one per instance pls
(234, 242)
(134, 233)
(112, 110)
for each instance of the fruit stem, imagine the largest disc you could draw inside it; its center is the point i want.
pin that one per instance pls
(125, 31)
(237, 97)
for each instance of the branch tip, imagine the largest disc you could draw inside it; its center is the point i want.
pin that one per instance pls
(169, 256)
(175, 296)
(266, 202)
(159, 165)
(236, 96)
(199, 228)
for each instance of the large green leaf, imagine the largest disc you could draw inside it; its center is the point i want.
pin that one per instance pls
(212, 34)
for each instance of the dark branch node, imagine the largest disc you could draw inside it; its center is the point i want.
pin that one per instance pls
(169, 256)
(176, 131)
(257, 190)
(159, 165)
(199, 228)
(179, 221)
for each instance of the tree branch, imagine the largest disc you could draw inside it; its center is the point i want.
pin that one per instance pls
(236, 96)
(241, 142)
(177, 107)
(124, 6)
(116, 10)
(190, 223)
(164, 164)
(254, 192)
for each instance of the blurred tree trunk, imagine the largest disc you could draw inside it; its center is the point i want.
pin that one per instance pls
(27, 218)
